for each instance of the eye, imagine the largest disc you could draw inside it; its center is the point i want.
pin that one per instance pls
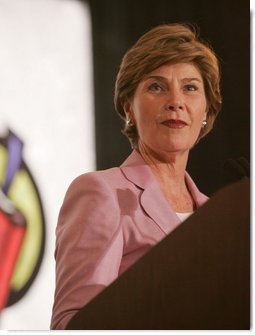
(190, 87)
(156, 87)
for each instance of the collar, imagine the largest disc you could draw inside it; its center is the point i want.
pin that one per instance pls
(137, 171)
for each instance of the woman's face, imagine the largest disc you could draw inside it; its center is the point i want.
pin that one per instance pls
(168, 108)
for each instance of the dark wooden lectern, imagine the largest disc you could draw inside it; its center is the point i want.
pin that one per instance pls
(198, 277)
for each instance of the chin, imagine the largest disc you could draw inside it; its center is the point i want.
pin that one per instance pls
(176, 147)
(169, 150)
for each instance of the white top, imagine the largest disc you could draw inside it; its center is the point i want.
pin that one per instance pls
(183, 216)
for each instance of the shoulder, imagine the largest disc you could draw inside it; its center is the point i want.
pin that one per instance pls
(97, 179)
(87, 201)
(95, 189)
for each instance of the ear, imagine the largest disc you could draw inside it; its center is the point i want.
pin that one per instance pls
(128, 110)
(205, 113)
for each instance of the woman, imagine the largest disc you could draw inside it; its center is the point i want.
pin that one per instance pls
(167, 91)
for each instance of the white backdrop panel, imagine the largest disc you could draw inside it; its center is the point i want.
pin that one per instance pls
(46, 98)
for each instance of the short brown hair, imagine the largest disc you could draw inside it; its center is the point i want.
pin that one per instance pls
(166, 44)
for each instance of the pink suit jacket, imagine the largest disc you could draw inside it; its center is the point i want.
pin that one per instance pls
(108, 220)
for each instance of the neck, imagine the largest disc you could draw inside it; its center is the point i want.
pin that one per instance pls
(169, 168)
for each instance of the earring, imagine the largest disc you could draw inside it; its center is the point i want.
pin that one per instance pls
(129, 122)
(204, 123)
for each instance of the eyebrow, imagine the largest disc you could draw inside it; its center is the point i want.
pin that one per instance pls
(186, 79)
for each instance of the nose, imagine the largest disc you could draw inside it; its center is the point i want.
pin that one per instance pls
(173, 106)
(174, 101)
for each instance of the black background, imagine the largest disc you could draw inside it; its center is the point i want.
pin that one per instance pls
(117, 24)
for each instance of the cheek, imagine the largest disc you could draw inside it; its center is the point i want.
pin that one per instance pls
(200, 112)
(141, 113)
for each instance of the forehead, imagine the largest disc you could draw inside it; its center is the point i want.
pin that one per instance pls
(182, 70)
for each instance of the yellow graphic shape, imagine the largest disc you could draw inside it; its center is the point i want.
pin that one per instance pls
(3, 164)
(23, 194)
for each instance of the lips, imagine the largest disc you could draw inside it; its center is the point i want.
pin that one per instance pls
(174, 124)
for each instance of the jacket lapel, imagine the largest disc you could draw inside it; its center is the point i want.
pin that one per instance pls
(198, 197)
(152, 199)
(156, 206)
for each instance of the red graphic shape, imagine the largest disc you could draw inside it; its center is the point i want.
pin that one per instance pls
(12, 233)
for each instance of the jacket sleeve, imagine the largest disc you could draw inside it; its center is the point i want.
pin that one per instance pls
(89, 245)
